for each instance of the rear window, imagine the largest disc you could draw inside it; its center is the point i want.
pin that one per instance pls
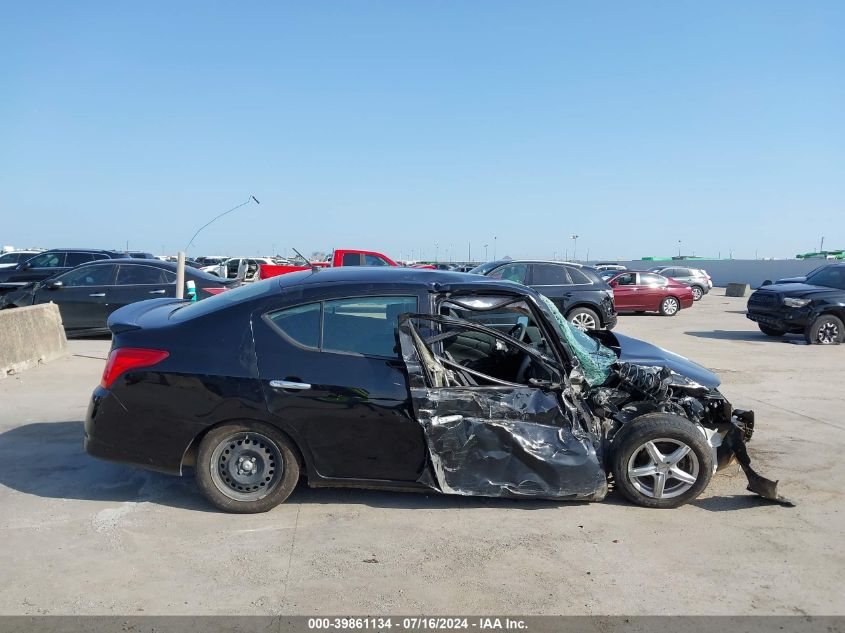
(224, 299)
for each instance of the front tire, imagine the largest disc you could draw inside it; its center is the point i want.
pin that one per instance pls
(825, 330)
(670, 306)
(584, 319)
(770, 331)
(661, 460)
(246, 467)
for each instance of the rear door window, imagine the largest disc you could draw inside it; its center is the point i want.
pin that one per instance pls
(364, 325)
(140, 275)
(351, 259)
(651, 279)
(74, 259)
(549, 275)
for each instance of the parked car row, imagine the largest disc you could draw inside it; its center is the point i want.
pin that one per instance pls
(589, 299)
(89, 293)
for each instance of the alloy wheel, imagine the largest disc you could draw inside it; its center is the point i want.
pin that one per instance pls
(246, 466)
(697, 294)
(663, 468)
(584, 321)
(670, 306)
(828, 333)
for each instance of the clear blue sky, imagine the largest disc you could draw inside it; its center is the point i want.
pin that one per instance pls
(394, 125)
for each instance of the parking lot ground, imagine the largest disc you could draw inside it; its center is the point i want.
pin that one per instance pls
(87, 537)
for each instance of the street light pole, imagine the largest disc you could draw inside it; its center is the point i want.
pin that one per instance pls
(574, 247)
(485, 252)
(494, 246)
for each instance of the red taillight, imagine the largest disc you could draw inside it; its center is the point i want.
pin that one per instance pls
(123, 359)
(215, 291)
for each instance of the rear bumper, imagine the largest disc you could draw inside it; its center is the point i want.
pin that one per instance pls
(108, 435)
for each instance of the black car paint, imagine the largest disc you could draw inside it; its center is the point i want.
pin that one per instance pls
(597, 295)
(766, 306)
(85, 309)
(632, 350)
(356, 427)
(24, 273)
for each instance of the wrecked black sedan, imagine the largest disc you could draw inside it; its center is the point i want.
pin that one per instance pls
(407, 380)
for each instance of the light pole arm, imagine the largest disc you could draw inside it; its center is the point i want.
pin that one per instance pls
(217, 217)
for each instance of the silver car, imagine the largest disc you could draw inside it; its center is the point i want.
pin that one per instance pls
(695, 278)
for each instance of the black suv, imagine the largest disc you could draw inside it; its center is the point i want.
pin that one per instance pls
(815, 307)
(49, 263)
(578, 292)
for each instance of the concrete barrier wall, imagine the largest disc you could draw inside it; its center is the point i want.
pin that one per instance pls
(29, 336)
(745, 271)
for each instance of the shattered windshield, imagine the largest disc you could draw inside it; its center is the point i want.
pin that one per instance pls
(595, 358)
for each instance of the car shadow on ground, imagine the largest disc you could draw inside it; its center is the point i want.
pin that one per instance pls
(46, 459)
(417, 500)
(747, 335)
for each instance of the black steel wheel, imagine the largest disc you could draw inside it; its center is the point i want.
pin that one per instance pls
(246, 467)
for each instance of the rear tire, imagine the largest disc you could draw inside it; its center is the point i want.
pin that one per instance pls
(584, 319)
(246, 467)
(770, 331)
(825, 330)
(670, 306)
(642, 466)
(697, 293)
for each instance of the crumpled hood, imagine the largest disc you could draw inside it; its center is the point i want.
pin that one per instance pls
(639, 352)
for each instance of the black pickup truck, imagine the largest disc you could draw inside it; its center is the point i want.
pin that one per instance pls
(814, 308)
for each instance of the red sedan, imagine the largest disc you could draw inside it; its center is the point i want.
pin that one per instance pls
(635, 291)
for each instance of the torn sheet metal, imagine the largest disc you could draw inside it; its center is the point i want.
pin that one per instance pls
(507, 443)
(498, 441)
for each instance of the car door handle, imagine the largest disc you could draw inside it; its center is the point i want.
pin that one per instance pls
(156, 292)
(98, 294)
(289, 384)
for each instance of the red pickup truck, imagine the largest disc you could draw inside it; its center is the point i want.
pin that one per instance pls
(341, 257)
